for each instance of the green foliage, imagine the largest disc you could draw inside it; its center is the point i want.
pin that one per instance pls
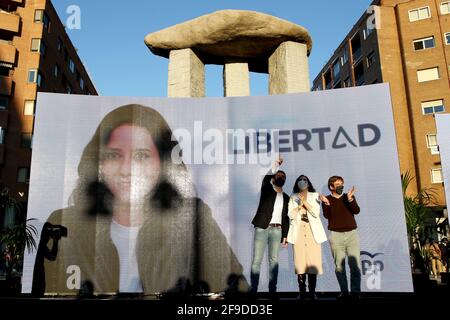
(15, 239)
(417, 210)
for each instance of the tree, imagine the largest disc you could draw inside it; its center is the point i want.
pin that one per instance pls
(14, 241)
(16, 238)
(417, 210)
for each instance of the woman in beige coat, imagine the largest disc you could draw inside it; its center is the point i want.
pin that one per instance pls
(306, 233)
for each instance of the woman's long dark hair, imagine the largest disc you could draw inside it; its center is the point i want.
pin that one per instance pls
(296, 189)
(92, 190)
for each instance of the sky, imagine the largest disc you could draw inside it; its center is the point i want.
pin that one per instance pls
(110, 40)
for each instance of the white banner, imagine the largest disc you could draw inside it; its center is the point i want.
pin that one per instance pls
(227, 146)
(443, 139)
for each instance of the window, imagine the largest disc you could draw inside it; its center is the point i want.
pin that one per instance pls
(347, 82)
(428, 74)
(327, 78)
(71, 66)
(431, 107)
(368, 30)
(447, 38)
(419, 14)
(66, 55)
(436, 175)
(37, 45)
(2, 135)
(60, 44)
(64, 81)
(43, 48)
(81, 83)
(34, 76)
(424, 43)
(56, 71)
(445, 7)
(28, 109)
(3, 103)
(23, 174)
(38, 15)
(359, 74)
(26, 140)
(41, 17)
(432, 143)
(344, 57)
(336, 71)
(356, 48)
(370, 59)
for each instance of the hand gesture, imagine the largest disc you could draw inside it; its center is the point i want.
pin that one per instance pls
(279, 161)
(324, 199)
(351, 193)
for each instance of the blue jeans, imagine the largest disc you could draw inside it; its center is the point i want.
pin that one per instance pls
(272, 237)
(346, 244)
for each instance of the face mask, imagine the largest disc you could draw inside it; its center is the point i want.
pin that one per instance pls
(279, 182)
(302, 184)
(340, 189)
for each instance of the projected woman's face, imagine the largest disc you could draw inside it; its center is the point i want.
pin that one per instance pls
(130, 164)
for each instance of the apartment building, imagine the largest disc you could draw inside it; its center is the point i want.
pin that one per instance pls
(36, 55)
(405, 43)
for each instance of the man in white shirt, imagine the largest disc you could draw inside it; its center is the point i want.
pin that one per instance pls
(271, 224)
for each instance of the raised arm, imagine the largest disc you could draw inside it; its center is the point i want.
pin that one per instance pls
(266, 183)
(353, 205)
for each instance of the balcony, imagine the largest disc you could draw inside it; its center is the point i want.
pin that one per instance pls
(357, 56)
(6, 85)
(9, 21)
(14, 2)
(356, 51)
(360, 81)
(7, 53)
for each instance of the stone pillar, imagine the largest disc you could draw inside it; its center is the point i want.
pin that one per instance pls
(236, 79)
(288, 69)
(186, 74)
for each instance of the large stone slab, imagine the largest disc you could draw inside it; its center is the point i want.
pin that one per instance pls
(226, 34)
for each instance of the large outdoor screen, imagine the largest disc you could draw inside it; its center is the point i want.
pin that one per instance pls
(153, 195)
